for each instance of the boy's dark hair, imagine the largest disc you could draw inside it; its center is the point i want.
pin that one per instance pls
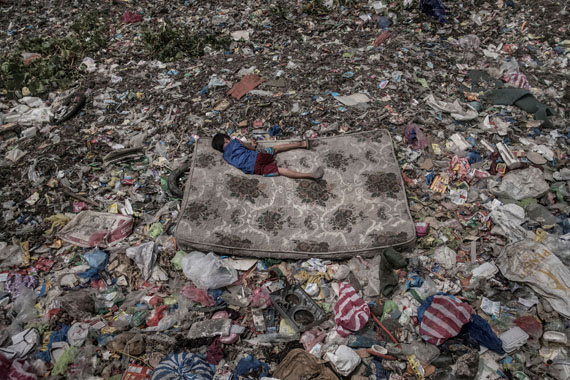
(219, 140)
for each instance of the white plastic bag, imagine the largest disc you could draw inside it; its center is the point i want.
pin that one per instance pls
(521, 184)
(207, 271)
(145, 256)
(532, 263)
(509, 218)
(445, 256)
(344, 359)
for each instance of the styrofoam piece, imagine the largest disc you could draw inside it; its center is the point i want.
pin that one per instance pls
(513, 339)
(507, 156)
(460, 142)
(487, 146)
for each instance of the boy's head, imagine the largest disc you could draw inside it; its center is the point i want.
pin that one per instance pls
(219, 141)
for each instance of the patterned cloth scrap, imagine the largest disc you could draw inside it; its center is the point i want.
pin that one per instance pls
(351, 313)
(15, 283)
(516, 79)
(442, 317)
(183, 366)
(15, 369)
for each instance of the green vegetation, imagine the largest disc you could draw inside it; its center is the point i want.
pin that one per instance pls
(52, 62)
(281, 11)
(346, 3)
(170, 43)
(316, 7)
(57, 57)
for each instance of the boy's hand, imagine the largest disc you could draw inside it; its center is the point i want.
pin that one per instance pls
(254, 144)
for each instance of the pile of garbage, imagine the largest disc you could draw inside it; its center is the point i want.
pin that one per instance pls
(101, 104)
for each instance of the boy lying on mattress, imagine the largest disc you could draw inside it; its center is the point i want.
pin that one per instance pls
(245, 157)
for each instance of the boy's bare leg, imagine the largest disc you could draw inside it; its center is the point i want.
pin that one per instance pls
(286, 147)
(317, 174)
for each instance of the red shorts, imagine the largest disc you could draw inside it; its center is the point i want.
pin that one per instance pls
(265, 165)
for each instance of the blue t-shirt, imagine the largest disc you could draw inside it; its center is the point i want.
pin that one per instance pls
(240, 157)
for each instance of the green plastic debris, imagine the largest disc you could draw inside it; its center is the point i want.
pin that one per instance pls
(177, 260)
(326, 306)
(389, 306)
(559, 188)
(164, 184)
(139, 317)
(155, 230)
(64, 360)
(271, 262)
(423, 82)
(524, 203)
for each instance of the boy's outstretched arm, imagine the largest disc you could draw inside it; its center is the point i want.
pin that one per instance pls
(250, 145)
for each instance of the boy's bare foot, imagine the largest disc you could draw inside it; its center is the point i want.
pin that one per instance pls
(306, 143)
(318, 173)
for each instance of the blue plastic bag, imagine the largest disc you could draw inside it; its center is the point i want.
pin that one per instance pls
(97, 260)
(250, 364)
(479, 330)
(434, 8)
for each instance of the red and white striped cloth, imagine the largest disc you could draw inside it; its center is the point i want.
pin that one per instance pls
(516, 79)
(351, 313)
(443, 319)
